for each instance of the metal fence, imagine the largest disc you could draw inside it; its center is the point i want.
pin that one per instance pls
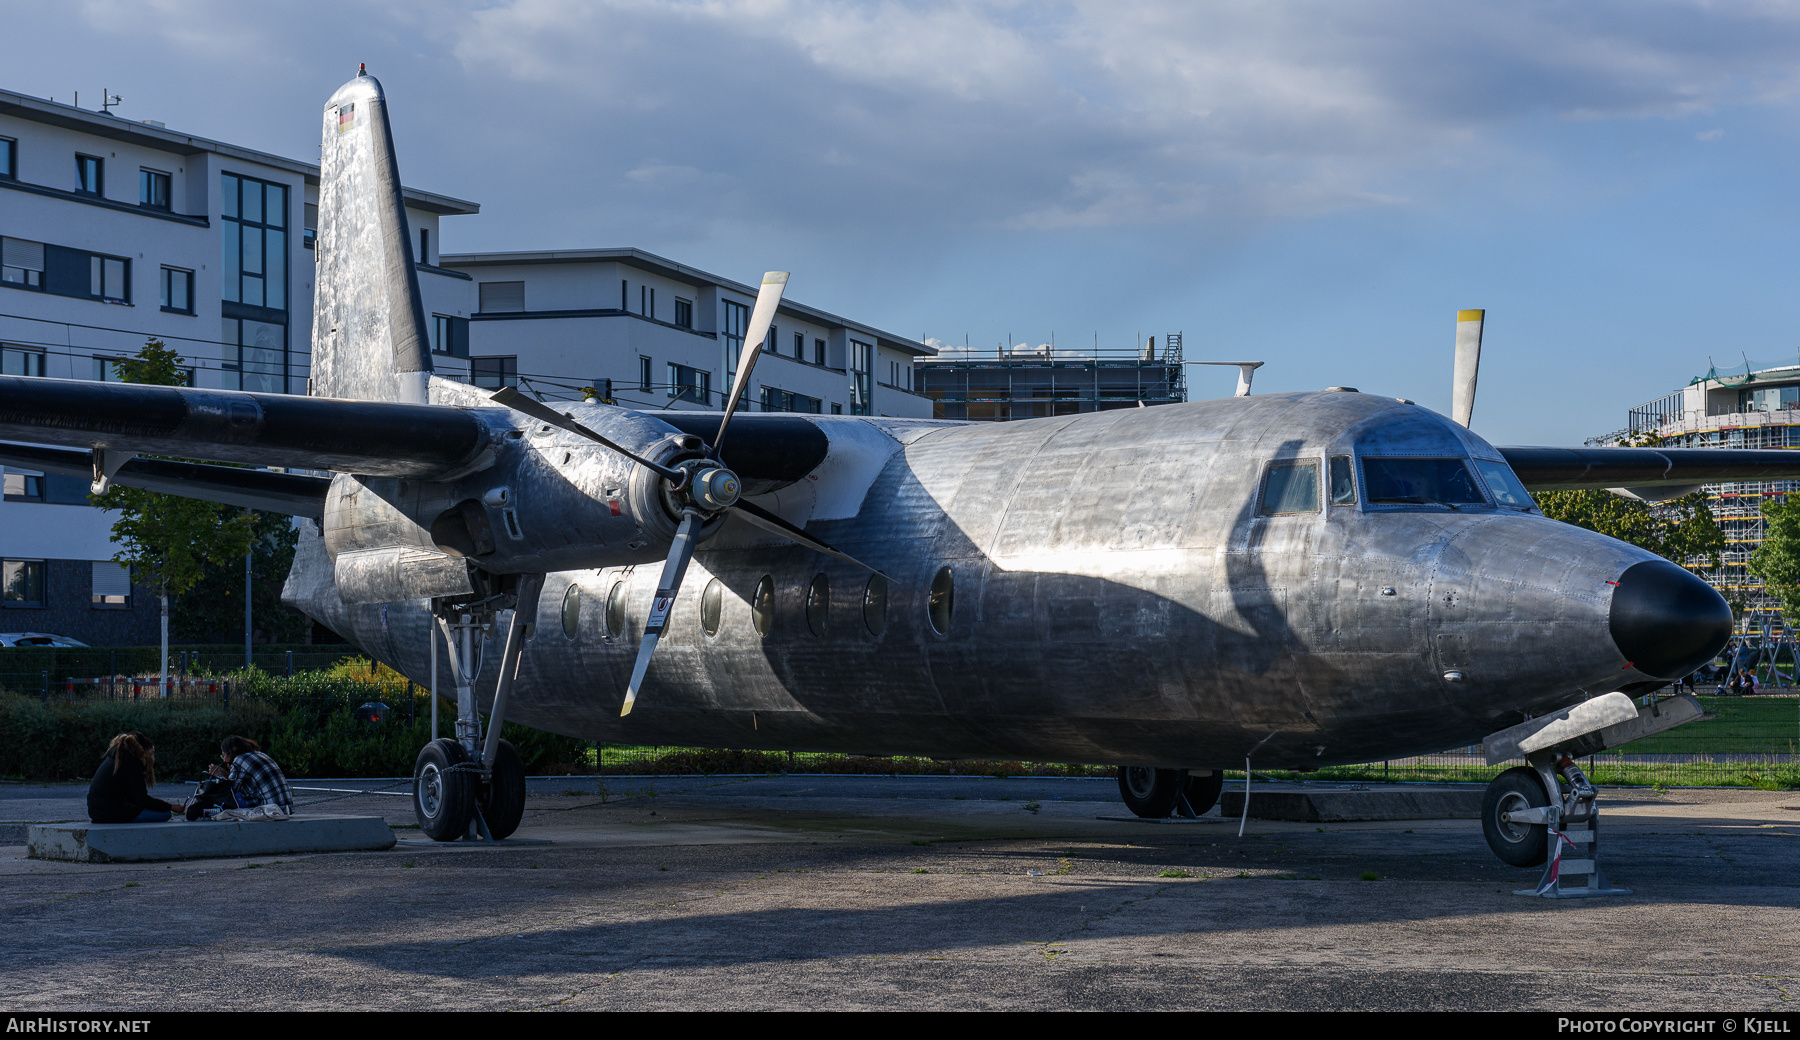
(1747, 742)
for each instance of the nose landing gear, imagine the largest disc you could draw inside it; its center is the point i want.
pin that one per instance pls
(1528, 821)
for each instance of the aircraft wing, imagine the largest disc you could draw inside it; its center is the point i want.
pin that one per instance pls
(376, 438)
(1573, 469)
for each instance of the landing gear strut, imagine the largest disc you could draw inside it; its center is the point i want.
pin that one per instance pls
(474, 786)
(1157, 793)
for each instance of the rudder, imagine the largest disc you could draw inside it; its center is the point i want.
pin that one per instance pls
(369, 341)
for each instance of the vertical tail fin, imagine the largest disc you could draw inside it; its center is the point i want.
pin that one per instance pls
(369, 340)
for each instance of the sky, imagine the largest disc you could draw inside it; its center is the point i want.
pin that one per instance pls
(1317, 185)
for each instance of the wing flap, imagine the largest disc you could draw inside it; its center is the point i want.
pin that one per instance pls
(292, 493)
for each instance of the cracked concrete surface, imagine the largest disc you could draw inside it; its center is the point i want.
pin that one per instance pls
(859, 892)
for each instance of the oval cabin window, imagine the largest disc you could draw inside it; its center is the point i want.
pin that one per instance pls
(762, 606)
(615, 610)
(942, 601)
(875, 598)
(571, 611)
(712, 605)
(818, 605)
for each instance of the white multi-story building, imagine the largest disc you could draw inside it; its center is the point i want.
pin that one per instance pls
(114, 231)
(643, 331)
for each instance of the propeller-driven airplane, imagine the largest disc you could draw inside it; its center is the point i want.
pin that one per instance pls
(1305, 578)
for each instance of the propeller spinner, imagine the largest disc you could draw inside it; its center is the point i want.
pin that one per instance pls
(698, 489)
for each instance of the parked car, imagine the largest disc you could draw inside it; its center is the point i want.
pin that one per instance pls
(37, 639)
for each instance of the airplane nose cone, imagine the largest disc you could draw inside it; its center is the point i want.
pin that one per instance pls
(1666, 621)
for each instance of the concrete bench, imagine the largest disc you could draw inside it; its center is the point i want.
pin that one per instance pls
(140, 842)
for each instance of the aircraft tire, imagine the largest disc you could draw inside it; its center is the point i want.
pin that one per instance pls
(503, 799)
(1150, 793)
(1522, 845)
(443, 798)
(1203, 791)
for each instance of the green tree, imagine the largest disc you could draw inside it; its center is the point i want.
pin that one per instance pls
(1777, 560)
(1679, 530)
(213, 610)
(169, 540)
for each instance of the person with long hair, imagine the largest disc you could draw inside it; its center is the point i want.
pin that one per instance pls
(120, 792)
(254, 777)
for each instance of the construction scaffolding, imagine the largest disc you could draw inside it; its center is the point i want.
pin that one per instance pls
(1033, 382)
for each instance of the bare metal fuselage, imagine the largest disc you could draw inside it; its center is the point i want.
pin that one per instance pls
(1117, 599)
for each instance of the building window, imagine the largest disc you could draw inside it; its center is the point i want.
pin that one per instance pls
(502, 296)
(309, 224)
(647, 301)
(89, 175)
(737, 320)
(684, 313)
(9, 158)
(800, 346)
(425, 245)
(254, 356)
(16, 362)
(112, 585)
(492, 373)
(24, 486)
(177, 290)
(624, 295)
(643, 372)
(837, 409)
(109, 278)
(153, 189)
(690, 384)
(21, 263)
(255, 242)
(106, 369)
(772, 342)
(23, 582)
(819, 352)
(449, 336)
(862, 364)
(776, 400)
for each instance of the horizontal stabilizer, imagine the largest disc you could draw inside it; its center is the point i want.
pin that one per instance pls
(291, 493)
(1576, 469)
(376, 438)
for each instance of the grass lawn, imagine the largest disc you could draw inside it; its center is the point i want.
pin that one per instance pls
(1732, 725)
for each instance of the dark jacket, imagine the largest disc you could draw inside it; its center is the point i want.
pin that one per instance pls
(118, 797)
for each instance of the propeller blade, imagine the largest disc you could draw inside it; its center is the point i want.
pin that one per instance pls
(680, 552)
(1468, 362)
(518, 402)
(776, 525)
(767, 299)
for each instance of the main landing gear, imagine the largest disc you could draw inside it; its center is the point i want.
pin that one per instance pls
(474, 786)
(1158, 793)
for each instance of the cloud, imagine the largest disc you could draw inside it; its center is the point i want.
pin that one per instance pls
(1099, 115)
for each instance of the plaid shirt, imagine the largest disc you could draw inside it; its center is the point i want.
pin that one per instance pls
(257, 780)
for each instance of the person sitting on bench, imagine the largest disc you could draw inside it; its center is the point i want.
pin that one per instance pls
(120, 792)
(255, 778)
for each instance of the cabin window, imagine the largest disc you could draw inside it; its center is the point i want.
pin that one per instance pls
(762, 606)
(571, 611)
(712, 606)
(1504, 484)
(1291, 487)
(818, 605)
(615, 610)
(1343, 481)
(1446, 482)
(940, 605)
(875, 598)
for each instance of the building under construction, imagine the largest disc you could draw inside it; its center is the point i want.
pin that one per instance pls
(1027, 382)
(1757, 406)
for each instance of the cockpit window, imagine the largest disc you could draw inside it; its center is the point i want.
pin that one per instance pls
(1343, 481)
(1504, 484)
(1445, 482)
(1292, 487)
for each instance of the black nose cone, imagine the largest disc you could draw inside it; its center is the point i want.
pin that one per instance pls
(1666, 621)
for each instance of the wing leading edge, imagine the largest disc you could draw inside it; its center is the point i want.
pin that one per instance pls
(1575, 469)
